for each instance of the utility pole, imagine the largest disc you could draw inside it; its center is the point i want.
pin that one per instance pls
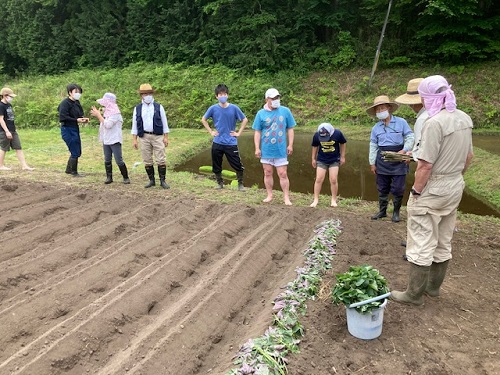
(377, 54)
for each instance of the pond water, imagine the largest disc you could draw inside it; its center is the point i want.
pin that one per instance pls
(355, 179)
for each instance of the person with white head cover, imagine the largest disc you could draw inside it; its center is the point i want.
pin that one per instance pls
(328, 154)
(110, 134)
(273, 139)
(445, 154)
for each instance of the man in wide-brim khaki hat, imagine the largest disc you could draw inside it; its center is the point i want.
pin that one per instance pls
(411, 96)
(390, 133)
(414, 101)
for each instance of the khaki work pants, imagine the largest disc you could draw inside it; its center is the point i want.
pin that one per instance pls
(431, 220)
(152, 145)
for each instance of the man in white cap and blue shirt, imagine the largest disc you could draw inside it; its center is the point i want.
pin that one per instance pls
(273, 139)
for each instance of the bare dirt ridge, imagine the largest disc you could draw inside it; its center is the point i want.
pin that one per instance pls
(96, 282)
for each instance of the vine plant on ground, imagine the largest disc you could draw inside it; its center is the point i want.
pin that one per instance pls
(266, 355)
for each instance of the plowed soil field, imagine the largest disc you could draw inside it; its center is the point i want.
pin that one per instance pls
(117, 282)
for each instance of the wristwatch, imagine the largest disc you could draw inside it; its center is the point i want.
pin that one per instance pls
(414, 192)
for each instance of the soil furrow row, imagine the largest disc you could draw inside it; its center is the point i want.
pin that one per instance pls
(94, 308)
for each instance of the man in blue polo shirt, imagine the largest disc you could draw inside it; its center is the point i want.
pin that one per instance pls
(390, 133)
(224, 116)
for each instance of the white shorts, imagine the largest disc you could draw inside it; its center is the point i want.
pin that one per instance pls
(275, 162)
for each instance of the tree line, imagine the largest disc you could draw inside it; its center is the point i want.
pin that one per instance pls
(53, 36)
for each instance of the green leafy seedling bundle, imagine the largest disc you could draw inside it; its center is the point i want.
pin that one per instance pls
(359, 284)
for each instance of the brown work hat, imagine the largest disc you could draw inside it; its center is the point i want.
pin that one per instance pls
(146, 88)
(382, 99)
(7, 91)
(411, 96)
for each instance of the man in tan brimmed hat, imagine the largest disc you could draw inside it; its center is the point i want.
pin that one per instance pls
(149, 123)
(390, 133)
(414, 101)
(8, 134)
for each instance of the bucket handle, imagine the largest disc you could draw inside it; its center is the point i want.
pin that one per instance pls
(369, 300)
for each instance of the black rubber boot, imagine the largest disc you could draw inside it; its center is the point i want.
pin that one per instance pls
(124, 172)
(109, 172)
(68, 167)
(162, 171)
(417, 283)
(239, 175)
(74, 168)
(436, 278)
(150, 170)
(220, 181)
(397, 206)
(383, 201)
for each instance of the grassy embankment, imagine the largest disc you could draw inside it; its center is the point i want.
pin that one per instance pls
(340, 98)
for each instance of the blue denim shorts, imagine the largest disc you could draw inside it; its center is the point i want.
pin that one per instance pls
(326, 166)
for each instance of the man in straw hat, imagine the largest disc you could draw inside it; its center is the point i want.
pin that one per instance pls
(444, 156)
(8, 134)
(149, 123)
(390, 133)
(414, 101)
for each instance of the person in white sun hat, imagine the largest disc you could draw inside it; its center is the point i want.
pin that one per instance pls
(273, 139)
(110, 134)
(8, 134)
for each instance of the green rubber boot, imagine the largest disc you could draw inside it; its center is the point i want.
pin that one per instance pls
(417, 282)
(436, 277)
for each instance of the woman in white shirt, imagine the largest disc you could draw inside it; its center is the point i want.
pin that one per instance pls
(110, 134)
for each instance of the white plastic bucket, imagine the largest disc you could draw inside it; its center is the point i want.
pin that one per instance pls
(365, 326)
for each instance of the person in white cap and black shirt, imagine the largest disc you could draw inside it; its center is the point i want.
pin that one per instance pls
(149, 123)
(8, 134)
(328, 154)
(273, 139)
(110, 134)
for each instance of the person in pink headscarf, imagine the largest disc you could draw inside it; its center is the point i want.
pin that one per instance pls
(445, 154)
(110, 134)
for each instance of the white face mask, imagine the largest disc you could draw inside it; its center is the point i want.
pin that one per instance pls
(275, 103)
(77, 96)
(382, 115)
(148, 99)
(9, 99)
